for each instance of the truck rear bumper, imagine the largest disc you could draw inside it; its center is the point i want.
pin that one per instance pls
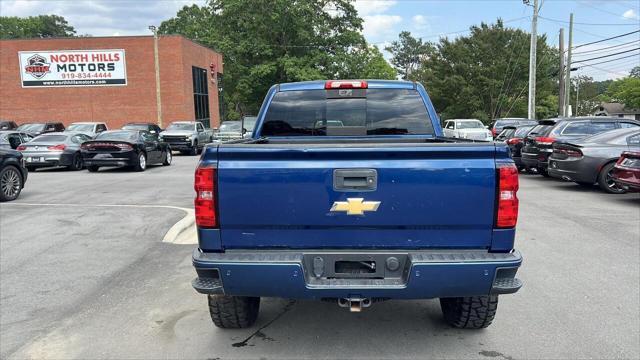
(299, 275)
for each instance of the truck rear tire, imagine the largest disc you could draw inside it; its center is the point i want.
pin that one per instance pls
(233, 312)
(474, 312)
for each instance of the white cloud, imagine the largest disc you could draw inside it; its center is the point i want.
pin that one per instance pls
(380, 27)
(373, 7)
(630, 14)
(101, 17)
(420, 23)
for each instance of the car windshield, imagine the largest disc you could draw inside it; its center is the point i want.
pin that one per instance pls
(250, 122)
(181, 126)
(50, 138)
(80, 127)
(540, 130)
(522, 131)
(31, 127)
(470, 125)
(135, 127)
(230, 126)
(505, 133)
(348, 112)
(118, 135)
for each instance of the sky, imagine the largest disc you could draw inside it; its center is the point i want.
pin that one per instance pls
(384, 19)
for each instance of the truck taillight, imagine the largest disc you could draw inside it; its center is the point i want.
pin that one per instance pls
(205, 201)
(345, 84)
(507, 198)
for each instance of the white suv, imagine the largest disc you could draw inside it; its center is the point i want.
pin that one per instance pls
(472, 129)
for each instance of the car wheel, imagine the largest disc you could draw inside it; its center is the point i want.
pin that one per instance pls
(233, 312)
(605, 180)
(76, 162)
(10, 183)
(473, 312)
(141, 164)
(168, 156)
(194, 149)
(93, 168)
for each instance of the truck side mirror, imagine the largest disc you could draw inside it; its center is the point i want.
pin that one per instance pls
(244, 131)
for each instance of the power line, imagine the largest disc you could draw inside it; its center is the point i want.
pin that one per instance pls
(606, 39)
(604, 11)
(612, 60)
(605, 70)
(605, 48)
(609, 55)
(590, 24)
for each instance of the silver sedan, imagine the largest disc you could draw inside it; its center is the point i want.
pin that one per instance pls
(54, 149)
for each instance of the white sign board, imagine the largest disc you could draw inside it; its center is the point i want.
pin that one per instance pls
(73, 68)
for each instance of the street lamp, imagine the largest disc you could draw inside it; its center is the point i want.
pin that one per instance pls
(154, 29)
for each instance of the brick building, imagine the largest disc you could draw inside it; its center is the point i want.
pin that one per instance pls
(110, 79)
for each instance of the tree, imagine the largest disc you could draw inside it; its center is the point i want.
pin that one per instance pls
(625, 91)
(486, 74)
(365, 62)
(265, 42)
(41, 26)
(635, 72)
(407, 53)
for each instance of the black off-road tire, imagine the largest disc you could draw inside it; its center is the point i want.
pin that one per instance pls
(603, 180)
(474, 312)
(93, 168)
(233, 312)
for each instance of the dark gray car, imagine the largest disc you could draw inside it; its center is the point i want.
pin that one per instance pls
(54, 149)
(592, 159)
(11, 139)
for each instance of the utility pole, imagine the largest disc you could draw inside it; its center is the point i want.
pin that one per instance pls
(567, 79)
(532, 61)
(561, 75)
(157, 66)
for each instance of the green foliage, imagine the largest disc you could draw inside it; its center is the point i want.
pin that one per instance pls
(626, 91)
(41, 26)
(485, 74)
(408, 52)
(635, 72)
(265, 42)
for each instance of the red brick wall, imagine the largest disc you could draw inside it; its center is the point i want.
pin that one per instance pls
(115, 105)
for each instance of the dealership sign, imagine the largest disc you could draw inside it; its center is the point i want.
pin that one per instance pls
(73, 68)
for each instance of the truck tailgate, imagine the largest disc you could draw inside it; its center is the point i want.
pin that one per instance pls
(430, 195)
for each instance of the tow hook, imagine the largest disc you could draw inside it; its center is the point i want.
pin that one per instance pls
(354, 304)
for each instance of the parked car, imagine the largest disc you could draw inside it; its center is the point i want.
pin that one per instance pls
(150, 127)
(626, 172)
(11, 139)
(132, 148)
(54, 149)
(8, 125)
(187, 136)
(228, 130)
(88, 128)
(467, 129)
(13, 174)
(411, 216)
(591, 159)
(36, 129)
(497, 126)
(514, 137)
(538, 145)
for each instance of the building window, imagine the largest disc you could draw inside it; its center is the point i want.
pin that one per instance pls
(200, 95)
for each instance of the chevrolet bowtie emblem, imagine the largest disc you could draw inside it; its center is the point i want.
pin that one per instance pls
(355, 206)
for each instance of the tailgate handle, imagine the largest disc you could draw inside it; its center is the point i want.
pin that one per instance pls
(355, 179)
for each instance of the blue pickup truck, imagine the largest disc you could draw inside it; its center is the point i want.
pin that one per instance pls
(348, 191)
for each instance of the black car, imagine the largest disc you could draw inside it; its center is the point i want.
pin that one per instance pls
(132, 148)
(499, 124)
(150, 127)
(36, 129)
(11, 139)
(8, 125)
(13, 174)
(538, 145)
(592, 159)
(513, 137)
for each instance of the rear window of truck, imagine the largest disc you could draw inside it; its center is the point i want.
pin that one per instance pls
(347, 112)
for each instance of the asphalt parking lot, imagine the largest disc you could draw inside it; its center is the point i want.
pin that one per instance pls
(83, 277)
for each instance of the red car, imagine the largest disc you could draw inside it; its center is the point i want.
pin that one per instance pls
(626, 172)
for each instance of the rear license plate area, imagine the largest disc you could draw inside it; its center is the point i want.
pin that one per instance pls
(364, 265)
(355, 267)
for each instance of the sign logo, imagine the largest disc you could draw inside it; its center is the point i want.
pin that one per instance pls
(37, 66)
(355, 206)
